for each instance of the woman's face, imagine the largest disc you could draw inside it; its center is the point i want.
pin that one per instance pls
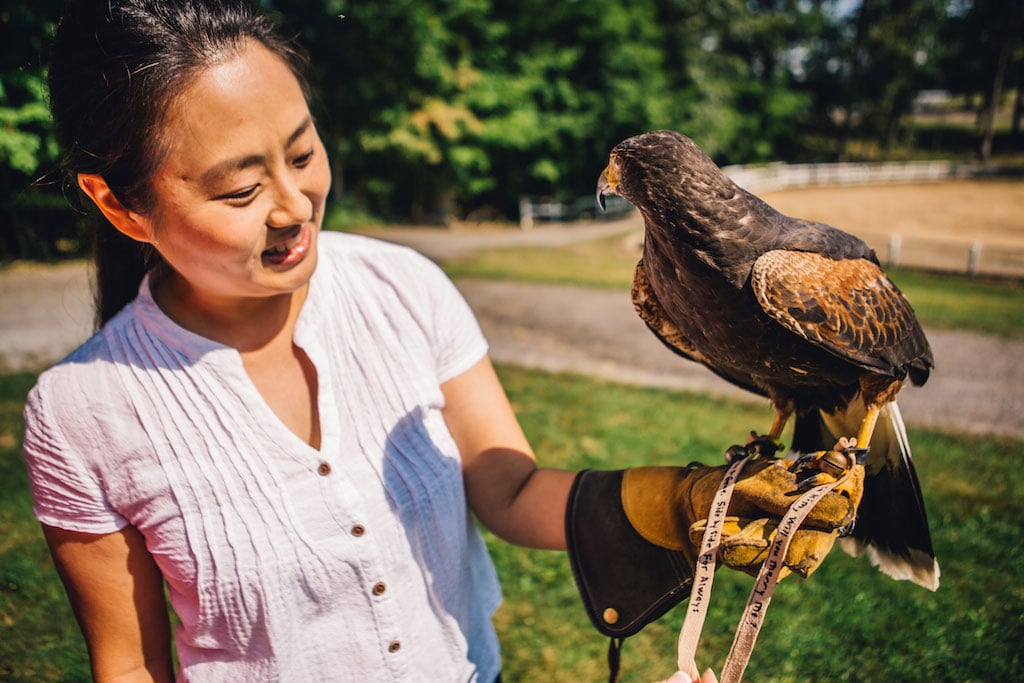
(240, 195)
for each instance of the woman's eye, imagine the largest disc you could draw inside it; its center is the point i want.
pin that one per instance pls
(303, 159)
(241, 195)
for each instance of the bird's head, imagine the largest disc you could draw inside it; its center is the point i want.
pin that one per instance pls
(652, 164)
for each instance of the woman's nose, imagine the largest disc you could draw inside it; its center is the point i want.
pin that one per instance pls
(292, 207)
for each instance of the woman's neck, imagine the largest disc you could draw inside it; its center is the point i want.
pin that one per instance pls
(244, 323)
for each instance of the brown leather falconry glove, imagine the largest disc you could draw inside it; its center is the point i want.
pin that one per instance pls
(634, 535)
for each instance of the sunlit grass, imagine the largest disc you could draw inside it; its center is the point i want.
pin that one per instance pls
(959, 302)
(605, 263)
(39, 638)
(847, 622)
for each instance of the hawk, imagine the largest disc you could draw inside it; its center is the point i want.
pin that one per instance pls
(794, 310)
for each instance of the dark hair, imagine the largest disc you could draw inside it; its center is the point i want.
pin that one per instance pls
(115, 69)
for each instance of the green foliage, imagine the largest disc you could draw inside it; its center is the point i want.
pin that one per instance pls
(28, 149)
(452, 107)
(455, 108)
(872, 59)
(24, 141)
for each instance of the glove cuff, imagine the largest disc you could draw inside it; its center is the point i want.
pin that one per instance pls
(625, 581)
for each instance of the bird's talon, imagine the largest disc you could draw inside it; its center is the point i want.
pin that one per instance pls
(858, 456)
(809, 482)
(804, 459)
(763, 446)
(734, 452)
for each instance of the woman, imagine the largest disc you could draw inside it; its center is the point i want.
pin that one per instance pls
(286, 428)
(246, 369)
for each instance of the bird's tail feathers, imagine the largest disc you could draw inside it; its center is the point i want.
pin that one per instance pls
(891, 528)
(917, 565)
(895, 421)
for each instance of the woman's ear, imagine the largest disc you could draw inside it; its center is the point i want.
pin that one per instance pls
(128, 222)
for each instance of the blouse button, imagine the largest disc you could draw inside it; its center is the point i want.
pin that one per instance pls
(358, 530)
(394, 646)
(324, 469)
(379, 588)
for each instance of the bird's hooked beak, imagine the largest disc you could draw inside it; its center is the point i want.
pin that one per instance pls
(607, 182)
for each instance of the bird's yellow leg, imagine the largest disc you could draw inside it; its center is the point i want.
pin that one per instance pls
(867, 426)
(875, 391)
(768, 445)
(765, 446)
(779, 424)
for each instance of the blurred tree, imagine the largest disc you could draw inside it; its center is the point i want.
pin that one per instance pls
(461, 106)
(434, 109)
(35, 222)
(872, 60)
(901, 41)
(561, 85)
(746, 61)
(982, 40)
(392, 81)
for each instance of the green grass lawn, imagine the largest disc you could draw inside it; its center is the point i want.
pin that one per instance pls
(39, 638)
(943, 301)
(847, 622)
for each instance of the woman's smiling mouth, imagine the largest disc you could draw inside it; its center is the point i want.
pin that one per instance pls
(291, 250)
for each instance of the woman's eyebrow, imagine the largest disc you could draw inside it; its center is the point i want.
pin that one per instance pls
(211, 175)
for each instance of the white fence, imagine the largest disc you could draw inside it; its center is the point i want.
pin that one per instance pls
(780, 176)
(971, 258)
(532, 210)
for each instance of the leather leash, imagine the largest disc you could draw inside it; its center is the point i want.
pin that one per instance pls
(760, 595)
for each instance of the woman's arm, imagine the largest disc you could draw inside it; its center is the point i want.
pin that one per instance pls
(116, 591)
(515, 499)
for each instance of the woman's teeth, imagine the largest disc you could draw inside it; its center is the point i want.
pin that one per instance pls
(286, 246)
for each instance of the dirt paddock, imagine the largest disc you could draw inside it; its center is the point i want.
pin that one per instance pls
(991, 211)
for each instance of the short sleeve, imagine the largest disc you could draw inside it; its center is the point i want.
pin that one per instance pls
(65, 494)
(459, 342)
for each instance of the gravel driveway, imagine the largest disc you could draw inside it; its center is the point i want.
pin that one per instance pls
(978, 384)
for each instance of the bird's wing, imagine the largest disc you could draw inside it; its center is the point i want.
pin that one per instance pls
(650, 311)
(847, 306)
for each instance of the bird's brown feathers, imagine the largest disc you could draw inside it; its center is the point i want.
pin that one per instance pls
(848, 306)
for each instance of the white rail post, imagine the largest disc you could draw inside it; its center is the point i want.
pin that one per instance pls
(525, 213)
(895, 244)
(974, 258)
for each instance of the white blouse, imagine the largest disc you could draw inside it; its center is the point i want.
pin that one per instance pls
(355, 562)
